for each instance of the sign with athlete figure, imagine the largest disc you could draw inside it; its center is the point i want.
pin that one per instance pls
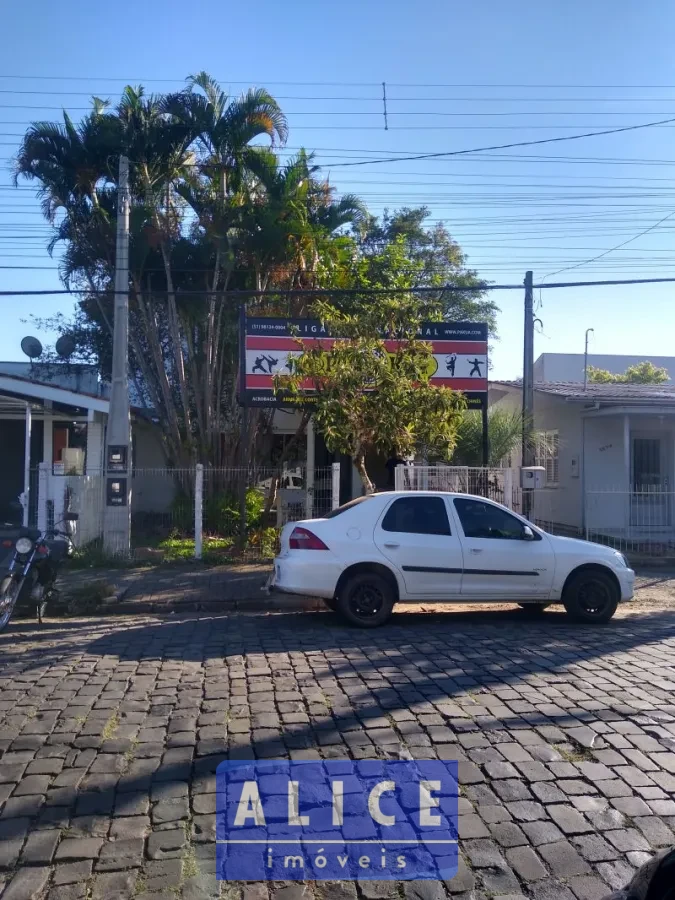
(459, 361)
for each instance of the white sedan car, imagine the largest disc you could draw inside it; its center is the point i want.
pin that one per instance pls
(428, 545)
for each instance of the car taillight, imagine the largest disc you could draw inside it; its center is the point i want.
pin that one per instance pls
(304, 539)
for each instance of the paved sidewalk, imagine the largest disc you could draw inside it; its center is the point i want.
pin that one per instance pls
(182, 588)
(111, 730)
(197, 588)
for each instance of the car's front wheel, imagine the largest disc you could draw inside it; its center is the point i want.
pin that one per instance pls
(591, 596)
(366, 600)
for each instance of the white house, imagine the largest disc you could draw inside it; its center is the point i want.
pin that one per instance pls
(556, 367)
(52, 436)
(609, 455)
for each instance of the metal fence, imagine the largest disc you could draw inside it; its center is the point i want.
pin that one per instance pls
(495, 483)
(499, 484)
(636, 522)
(192, 512)
(640, 523)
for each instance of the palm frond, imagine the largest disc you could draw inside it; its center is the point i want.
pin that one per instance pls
(211, 89)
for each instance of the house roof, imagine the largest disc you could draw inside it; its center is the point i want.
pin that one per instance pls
(29, 390)
(647, 394)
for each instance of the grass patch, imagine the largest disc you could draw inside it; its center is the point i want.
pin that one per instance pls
(574, 754)
(110, 727)
(131, 752)
(140, 885)
(214, 549)
(189, 868)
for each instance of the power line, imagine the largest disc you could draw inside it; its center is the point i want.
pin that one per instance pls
(373, 291)
(573, 137)
(374, 84)
(612, 249)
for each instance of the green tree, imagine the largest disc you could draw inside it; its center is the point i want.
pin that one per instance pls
(213, 210)
(430, 258)
(368, 398)
(641, 373)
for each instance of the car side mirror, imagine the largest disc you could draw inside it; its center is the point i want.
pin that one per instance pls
(71, 517)
(528, 534)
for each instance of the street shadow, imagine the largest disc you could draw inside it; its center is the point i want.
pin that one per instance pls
(416, 658)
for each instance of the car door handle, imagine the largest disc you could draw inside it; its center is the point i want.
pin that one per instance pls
(476, 550)
(390, 545)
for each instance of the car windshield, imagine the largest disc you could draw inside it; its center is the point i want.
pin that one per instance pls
(347, 506)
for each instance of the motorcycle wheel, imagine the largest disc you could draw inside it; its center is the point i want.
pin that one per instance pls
(9, 593)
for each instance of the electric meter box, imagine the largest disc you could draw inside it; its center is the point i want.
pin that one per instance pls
(532, 477)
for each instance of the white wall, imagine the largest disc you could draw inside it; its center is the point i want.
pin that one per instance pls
(606, 483)
(561, 505)
(570, 366)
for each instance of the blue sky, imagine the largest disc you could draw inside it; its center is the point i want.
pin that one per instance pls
(569, 67)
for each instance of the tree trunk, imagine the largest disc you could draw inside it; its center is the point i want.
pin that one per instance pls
(360, 463)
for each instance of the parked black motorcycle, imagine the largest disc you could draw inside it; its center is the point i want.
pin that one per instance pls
(33, 568)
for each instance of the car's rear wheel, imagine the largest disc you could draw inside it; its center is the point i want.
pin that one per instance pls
(366, 600)
(591, 596)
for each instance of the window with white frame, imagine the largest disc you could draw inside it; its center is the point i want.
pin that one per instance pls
(547, 456)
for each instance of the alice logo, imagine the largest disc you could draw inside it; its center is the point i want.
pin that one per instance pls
(250, 807)
(335, 819)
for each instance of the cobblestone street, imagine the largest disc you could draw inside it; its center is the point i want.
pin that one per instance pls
(112, 729)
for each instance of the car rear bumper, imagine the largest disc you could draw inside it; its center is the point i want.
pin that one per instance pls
(293, 575)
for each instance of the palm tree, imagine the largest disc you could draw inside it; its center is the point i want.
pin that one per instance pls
(291, 216)
(225, 127)
(505, 434)
(70, 161)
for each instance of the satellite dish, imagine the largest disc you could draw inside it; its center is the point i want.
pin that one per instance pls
(65, 346)
(31, 347)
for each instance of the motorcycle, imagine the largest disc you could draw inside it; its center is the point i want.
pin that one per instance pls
(34, 567)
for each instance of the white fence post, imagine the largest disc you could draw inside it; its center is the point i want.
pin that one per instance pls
(508, 488)
(335, 486)
(43, 495)
(199, 506)
(309, 475)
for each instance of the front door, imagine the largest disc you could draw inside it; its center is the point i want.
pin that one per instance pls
(11, 467)
(414, 534)
(650, 487)
(499, 562)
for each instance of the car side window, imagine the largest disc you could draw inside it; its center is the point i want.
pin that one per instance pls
(417, 515)
(483, 520)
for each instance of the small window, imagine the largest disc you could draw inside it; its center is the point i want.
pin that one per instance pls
(347, 506)
(482, 520)
(546, 455)
(417, 515)
(69, 443)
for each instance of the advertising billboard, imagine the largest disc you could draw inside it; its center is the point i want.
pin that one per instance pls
(459, 361)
